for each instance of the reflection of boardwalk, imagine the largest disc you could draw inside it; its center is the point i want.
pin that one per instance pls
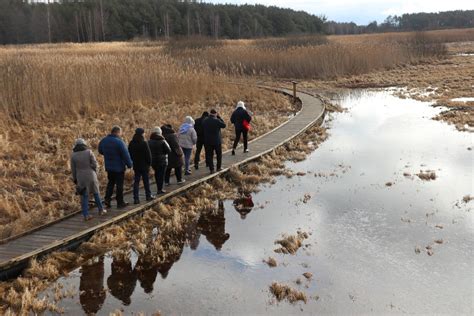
(70, 231)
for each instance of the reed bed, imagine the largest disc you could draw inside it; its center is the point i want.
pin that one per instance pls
(49, 97)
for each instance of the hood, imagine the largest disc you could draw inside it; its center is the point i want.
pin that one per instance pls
(155, 136)
(79, 147)
(240, 105)
(166, 129)
(185, 128)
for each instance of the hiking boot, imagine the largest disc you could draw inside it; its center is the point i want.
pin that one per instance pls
(136, 202)
(181, 181)
(188, 173)
(219, 169)
(167, 184)
(123, 205)
(233, 152)
(87, 218)
(161, 192)
(150, 198)
(246, 151)
(196, 166)
(107, 203)
(102, 212)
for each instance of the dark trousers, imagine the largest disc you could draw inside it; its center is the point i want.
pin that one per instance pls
(139, 174)
(160, 177)
(177, 171)
(210, 149)
(245, 134)
(197, 155)
(115, 179)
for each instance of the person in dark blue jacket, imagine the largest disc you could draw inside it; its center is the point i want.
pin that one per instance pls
(213, 139)
(117, 159)
(238, 118)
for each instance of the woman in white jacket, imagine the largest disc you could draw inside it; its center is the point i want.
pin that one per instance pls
(187, 138)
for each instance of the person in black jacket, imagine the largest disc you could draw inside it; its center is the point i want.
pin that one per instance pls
(238, 118)
(159, 157)
(141, 157)
(175, 157)
(213, 139)
(200, 140)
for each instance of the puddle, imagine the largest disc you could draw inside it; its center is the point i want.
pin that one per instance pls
(366, 247)
(468, 99)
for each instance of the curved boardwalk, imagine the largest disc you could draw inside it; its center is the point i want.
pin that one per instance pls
(69, 232)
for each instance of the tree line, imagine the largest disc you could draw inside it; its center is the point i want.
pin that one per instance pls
(408, 22)
(115, 20)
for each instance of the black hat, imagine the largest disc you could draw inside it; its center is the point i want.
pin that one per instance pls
(140, 131)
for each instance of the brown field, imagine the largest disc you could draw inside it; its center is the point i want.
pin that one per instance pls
(52, 94)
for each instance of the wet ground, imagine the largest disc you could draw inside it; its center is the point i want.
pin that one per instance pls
(370, 219)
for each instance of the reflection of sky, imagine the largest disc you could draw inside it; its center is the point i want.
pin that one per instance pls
(362, 253)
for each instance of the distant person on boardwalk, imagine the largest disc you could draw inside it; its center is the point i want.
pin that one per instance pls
(241, 119)
(159, 157)
(187, 138)
(213, 139)
(84, 175)
(117, 159)
(175, 158)
(141, 158)
(200, 138)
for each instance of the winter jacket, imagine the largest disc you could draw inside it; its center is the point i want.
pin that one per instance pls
(212, 130)
(84, 167)
(198, 128)
(188, 139)
(115, 154)
(238, 118)
(176, 156)
(140, 154)
(159, 151)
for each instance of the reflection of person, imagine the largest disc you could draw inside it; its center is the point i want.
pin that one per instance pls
(91, 288)
(122, 280)
(213, 227)
(164, 267)
(244, 205)
(146, 271)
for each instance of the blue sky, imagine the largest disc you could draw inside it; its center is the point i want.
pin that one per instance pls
(362, 11)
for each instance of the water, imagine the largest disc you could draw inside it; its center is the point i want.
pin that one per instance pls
(467, 99)
(361, 250)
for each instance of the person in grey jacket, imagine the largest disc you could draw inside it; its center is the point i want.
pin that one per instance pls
(187, 138)
(84, 175)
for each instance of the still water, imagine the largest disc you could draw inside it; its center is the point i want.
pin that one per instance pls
(363, 232)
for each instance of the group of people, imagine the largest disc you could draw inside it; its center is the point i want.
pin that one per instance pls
(164, 152)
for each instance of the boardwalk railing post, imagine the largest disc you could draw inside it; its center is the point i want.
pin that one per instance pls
(294, 90)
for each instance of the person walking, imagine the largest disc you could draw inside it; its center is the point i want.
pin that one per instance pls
(200, 138)
(84, 175)
(141, 158)
(187, 138)
(175, 157)
(159, 157)
(117, 160)
(241, 119)
(213, 139)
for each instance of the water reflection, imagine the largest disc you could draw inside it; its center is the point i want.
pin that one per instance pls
(146, 271)
(122, 280)
(244, 204)
(91, 288)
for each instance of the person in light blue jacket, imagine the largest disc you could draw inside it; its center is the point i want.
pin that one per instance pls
(117, 160)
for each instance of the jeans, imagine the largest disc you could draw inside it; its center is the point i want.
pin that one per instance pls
(210, 149)
(177, 172)
(85, 203)
(197, 155)
(160, 177)
(136, 184)
(187, 157)
(238, 133)
(115, 179)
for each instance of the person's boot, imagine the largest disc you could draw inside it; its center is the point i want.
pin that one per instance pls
(136, 201)
(233, 152)
(150, 198)
(107, 203)
(123, 204)
(196, 166)
(246, 150)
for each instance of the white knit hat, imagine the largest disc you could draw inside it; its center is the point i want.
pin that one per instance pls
(156, 130)
(80, 141)
(241, 104)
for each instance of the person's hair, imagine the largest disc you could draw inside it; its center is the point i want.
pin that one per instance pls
(205, 114)
(213, 112)
(115, 129)
(138, 138)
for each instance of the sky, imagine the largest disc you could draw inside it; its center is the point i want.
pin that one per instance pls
(361, 11)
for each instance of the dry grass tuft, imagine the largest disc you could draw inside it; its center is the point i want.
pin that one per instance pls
(284, 292)
(271, 262)
(291, 243)
(427, 175)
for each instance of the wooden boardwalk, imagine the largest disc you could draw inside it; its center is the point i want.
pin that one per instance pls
(69, 232)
